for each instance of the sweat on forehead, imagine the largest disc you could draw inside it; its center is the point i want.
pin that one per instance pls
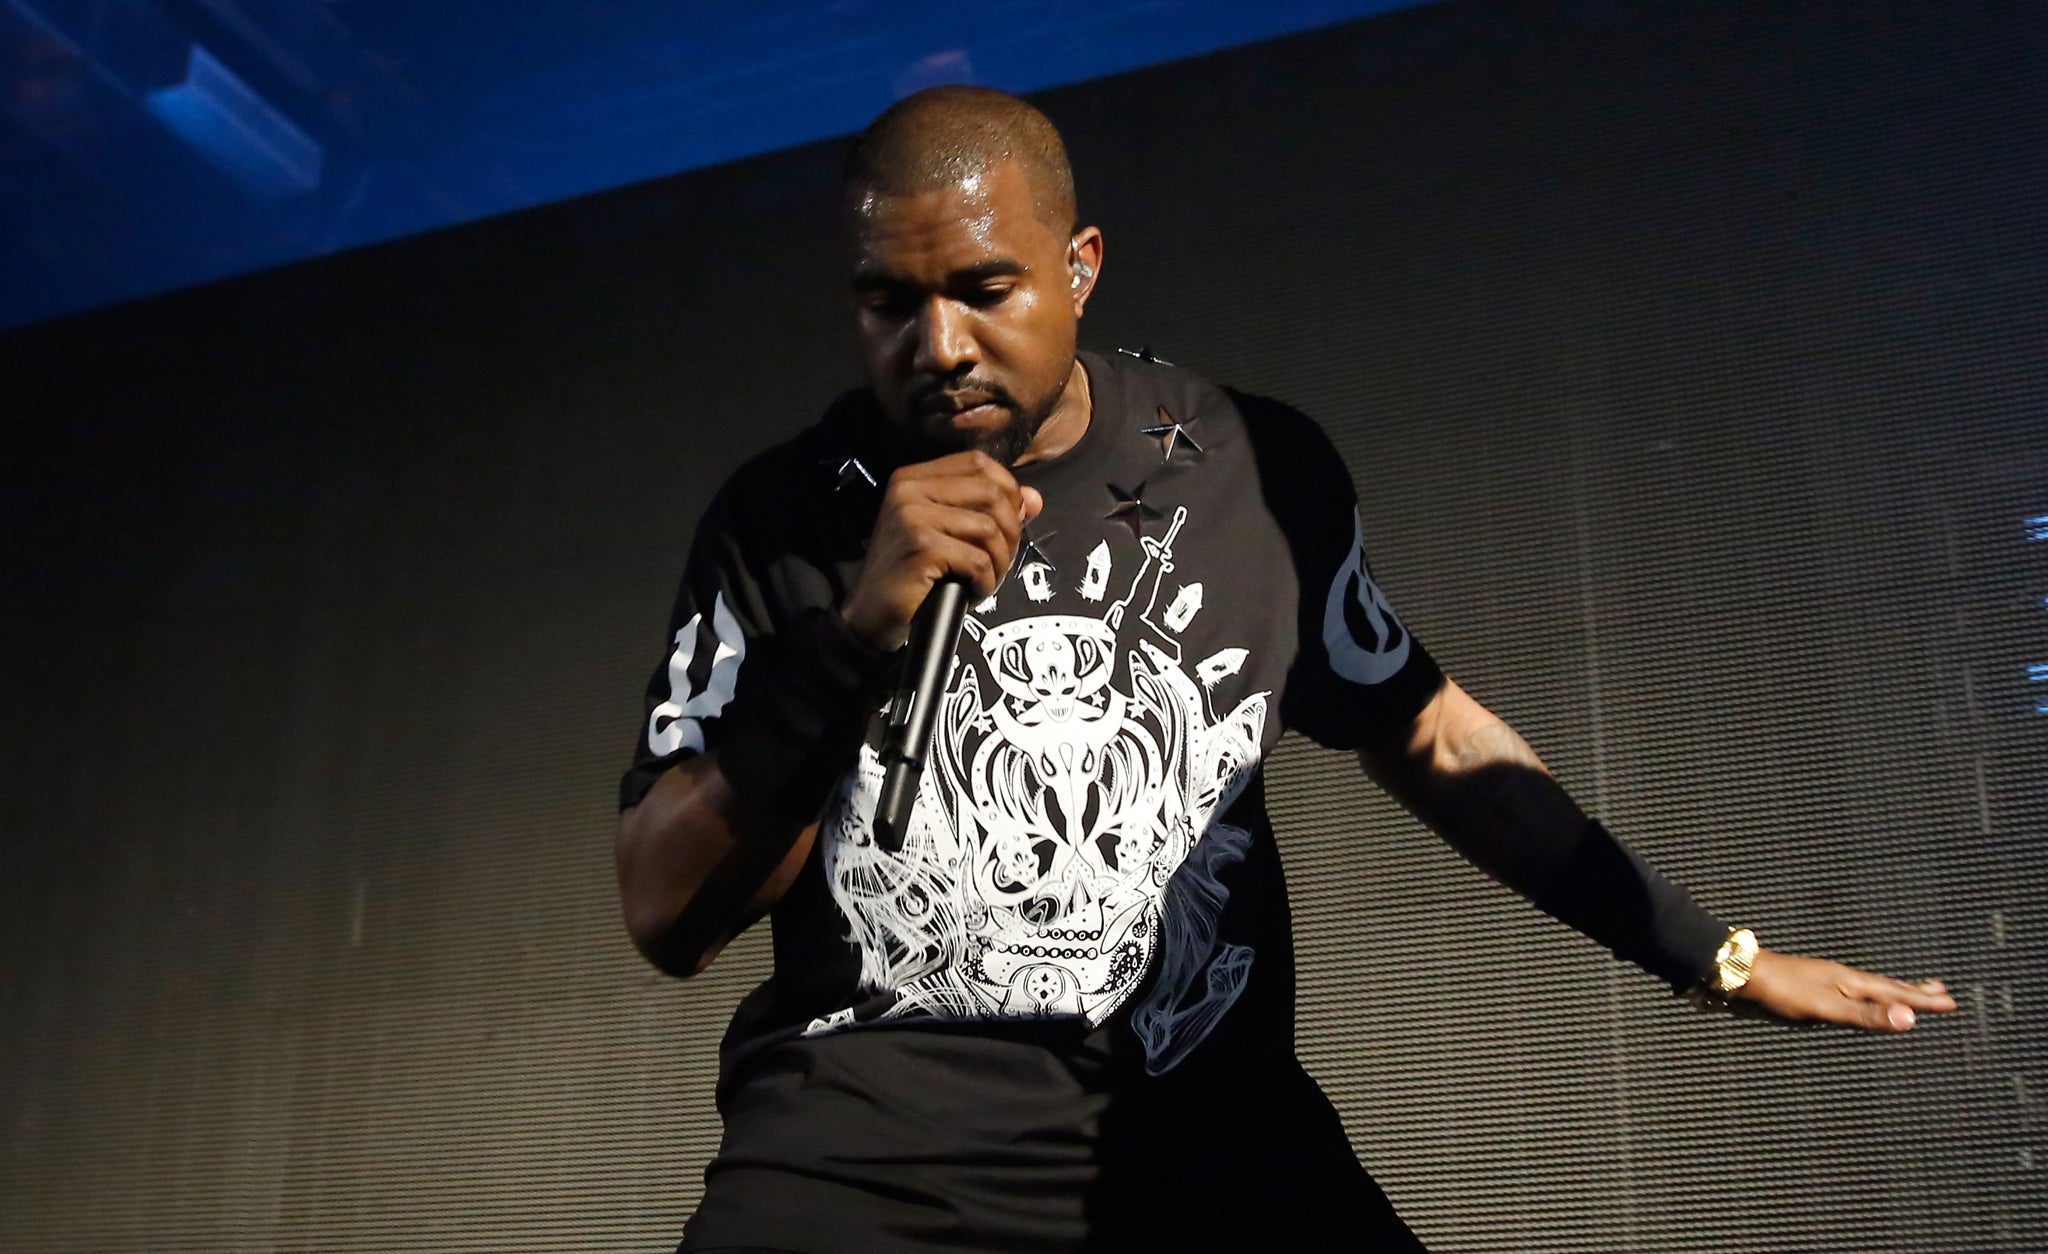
(943, 136)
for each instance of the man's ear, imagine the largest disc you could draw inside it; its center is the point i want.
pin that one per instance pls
(1084, 265)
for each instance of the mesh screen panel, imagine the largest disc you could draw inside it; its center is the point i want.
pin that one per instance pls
(1688, 358)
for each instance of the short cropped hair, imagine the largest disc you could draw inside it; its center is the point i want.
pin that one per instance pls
(943, 136)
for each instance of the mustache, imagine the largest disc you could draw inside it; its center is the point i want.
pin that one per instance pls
(946, 396)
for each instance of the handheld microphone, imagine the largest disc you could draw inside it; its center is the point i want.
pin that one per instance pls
(907, 741)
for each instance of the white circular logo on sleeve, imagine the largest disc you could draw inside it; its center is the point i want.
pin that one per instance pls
(1365, 639)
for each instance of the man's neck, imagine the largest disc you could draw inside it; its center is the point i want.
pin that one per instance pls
(1067, 423)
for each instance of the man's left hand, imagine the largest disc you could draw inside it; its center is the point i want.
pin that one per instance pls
(1814, 990)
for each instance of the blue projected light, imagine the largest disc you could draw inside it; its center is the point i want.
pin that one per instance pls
(304, 128)
(2037, 529)
(236, 130)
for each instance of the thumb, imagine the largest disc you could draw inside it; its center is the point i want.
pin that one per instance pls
(1034, 502)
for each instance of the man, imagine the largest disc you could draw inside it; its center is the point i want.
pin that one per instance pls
(1055, 1013)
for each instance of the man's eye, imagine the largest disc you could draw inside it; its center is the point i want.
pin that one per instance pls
(894, 305)
(984, 297)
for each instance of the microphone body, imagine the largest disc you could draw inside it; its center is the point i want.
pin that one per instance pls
(907, 742)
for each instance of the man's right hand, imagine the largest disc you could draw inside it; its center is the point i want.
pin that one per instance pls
(695, 862)
(959, 515)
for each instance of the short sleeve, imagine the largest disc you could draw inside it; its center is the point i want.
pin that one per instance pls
(1359, 676)
(717, 623)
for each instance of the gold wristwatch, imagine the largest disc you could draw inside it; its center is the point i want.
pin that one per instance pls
(1734, 962)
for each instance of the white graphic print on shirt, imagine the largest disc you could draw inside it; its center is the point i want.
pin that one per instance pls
(678, 723)
(1068, 827)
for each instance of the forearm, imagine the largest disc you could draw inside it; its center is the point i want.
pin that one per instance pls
(1482, 788)
(696, 864)
(720, 836)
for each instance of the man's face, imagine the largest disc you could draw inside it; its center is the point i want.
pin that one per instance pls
(967, 312)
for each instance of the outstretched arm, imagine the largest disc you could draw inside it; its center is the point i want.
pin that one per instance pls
(1479, 785)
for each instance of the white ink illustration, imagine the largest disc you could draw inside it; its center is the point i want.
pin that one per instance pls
(1095, 580)
(1220, 665)
(1037, 579)
(1067, 835)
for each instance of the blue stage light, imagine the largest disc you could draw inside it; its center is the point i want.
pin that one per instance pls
(237, 130)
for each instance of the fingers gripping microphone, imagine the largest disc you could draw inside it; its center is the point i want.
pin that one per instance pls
(934, 634)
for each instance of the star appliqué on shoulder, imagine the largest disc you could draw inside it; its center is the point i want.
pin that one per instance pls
(1171, 434)
(1130, 509)
(849, 473)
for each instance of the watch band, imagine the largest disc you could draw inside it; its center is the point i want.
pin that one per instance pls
(1734, 963)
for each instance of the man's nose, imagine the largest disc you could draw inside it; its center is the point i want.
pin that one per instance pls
(945, 341)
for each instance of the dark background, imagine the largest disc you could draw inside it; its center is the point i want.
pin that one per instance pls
(1689, 360)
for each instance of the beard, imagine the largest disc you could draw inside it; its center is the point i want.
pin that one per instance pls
(1005, 444)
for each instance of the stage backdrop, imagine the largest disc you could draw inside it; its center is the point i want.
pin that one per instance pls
(1690, 361)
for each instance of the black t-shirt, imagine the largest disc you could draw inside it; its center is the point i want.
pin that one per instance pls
(1072, 987)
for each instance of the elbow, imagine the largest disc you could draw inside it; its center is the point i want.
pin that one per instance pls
(688, 882)
(669, 942)
(672, 959)
(659, 927)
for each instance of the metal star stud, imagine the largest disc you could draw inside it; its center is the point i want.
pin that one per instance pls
(1171, 434)
(1029, 552)
(850, 472)
(1130, 509)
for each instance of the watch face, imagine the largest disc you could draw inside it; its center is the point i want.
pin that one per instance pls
(1733, 962)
